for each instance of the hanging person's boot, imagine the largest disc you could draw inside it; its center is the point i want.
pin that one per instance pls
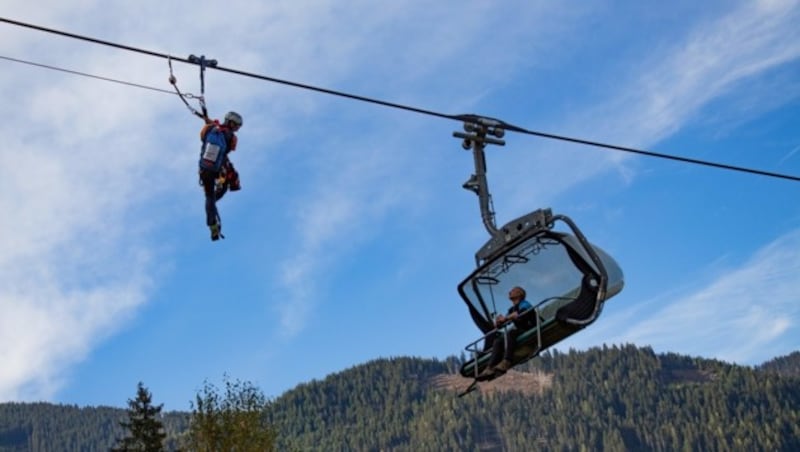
(216, 231)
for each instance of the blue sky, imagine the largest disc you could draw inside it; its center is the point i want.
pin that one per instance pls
(352, 230)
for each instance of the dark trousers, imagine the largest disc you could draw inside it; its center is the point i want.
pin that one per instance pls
(207, 178)
(503, 346)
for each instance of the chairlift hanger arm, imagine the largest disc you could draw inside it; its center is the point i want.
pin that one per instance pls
(479, 132)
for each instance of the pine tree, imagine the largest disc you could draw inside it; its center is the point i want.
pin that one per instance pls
(145, 430)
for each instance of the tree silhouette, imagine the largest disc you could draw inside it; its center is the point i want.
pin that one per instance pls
(145, 430)
(233, 421)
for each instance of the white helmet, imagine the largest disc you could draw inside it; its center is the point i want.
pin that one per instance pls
(234, 117)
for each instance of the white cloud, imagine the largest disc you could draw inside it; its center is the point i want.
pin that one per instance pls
(68, 274)
(750, 40)
(747, 315)
(337, 215)
(74, 259)
(662, 93)
(789, 155)
(48, 325)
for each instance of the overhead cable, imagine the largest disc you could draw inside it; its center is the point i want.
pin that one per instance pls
(85, 74)
(457, 117)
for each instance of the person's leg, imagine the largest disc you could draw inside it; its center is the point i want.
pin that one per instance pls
(221, 190)
(497, 350)
(495, 341)
(508, 352)
(232, 178)
(511, 344)
(207, 179)
(212, 216)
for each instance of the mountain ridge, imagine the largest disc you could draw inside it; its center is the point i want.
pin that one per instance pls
(610, 397)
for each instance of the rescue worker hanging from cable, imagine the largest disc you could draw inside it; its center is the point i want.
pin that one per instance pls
(217, 174)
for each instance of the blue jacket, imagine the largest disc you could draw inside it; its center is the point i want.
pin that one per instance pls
(519, 308)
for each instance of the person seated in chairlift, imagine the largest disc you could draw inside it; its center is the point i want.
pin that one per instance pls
(503, 348)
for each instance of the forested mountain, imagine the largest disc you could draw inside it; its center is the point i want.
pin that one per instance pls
(44, 427)
(785, 365)
(609, 398)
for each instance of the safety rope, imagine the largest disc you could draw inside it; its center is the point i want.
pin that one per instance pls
(203, 63)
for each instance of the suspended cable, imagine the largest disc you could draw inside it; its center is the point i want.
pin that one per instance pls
(84, 74)
(232, 71)
(458, 117)
(518, 129)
